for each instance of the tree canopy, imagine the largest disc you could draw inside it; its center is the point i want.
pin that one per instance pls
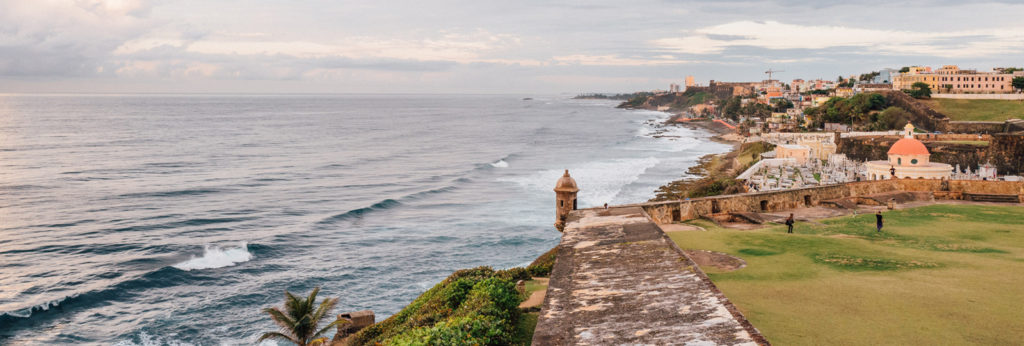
(920, 90)
(781, 105)
(861, 110)
(1018, 82)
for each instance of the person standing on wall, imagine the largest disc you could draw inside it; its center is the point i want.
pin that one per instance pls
(892, 170)
(878, 220)
(789, 223)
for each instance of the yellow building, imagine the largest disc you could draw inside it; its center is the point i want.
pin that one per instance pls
(950, 79)
(820, 100)
(790, 151)
(820, 150)
(689, 81)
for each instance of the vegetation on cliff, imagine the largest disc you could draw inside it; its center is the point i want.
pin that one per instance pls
(678, 101)
(718, 174)
(478, 306)
(598, 96)
(930, 268)
(541, 267)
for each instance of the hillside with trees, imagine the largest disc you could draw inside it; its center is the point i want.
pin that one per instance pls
(874, 112)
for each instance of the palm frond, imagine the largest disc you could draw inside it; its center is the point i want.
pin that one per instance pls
(276, 335)
(326, 306)
(329, 326)
(280, 318)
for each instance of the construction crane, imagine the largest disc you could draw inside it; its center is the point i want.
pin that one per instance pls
(770, 71)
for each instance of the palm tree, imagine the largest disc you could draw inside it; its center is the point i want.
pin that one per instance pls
(300, 318)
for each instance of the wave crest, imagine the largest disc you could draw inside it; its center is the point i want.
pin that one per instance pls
(217, 257)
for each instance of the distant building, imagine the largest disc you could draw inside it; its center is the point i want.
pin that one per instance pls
(861, 88)
(836, 127)
(844, 92)
(884, 76)
(673, 88)
(950, 79)
(820, 100)
(689, 81)
(908, 158)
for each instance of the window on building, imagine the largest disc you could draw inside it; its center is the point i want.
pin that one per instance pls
(913, 161)
(899, 160)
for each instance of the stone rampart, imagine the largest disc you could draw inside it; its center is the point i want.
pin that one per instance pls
(953, 137)
(619, 280)
(983, 127)
(773, 201)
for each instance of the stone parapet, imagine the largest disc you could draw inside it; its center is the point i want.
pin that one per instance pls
(772, 201)
(619, 280)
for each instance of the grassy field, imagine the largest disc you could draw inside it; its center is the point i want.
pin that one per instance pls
(978, 110)
(936, 275)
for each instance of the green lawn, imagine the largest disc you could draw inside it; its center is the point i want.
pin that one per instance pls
(978, 110)
(937, 275)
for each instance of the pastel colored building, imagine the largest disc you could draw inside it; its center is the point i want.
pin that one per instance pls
(908, 158)
(950, 79)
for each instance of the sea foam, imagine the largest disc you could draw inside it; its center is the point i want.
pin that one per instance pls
(217, 257)
(500, 164)
(605, 180)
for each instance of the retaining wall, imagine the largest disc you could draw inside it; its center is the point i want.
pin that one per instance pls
(979, 96)
(772, 201)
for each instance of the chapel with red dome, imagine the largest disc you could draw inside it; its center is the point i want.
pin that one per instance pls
(908, 158)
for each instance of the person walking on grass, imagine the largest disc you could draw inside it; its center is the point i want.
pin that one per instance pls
(878, 220)
(789, 223)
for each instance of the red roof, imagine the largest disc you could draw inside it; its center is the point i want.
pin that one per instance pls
(908, 146)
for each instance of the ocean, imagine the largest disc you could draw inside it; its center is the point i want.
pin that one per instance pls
(174, 219)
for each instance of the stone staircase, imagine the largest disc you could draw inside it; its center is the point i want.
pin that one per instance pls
(980, 197)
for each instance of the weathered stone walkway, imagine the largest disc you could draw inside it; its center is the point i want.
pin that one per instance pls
(619, 280)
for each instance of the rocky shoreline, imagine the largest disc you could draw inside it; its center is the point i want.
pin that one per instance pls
(716, 172)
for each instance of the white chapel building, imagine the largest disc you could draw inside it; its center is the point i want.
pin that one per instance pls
(908, 158)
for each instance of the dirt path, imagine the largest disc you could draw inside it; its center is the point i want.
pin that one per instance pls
(537, 297)
(680, 227)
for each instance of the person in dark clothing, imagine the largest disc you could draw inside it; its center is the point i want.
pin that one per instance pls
(789, 223)
(878, 219)
(892, 170)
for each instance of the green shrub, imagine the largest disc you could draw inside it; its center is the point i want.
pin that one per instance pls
(541, 267)
(472, 306)
(515, 274)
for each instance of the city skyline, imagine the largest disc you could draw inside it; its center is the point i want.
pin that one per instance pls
(467, 47)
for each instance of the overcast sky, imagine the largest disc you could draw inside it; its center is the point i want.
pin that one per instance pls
(520, 46)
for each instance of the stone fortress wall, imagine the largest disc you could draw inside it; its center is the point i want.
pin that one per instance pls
(775, 201)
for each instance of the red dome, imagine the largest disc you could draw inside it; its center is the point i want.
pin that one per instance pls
(908, 146)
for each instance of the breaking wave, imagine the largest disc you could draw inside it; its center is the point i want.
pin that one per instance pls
(605, 179)
(499, 164)
(217, 257)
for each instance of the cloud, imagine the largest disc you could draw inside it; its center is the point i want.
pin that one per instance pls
(465, 45)
(782, 36)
